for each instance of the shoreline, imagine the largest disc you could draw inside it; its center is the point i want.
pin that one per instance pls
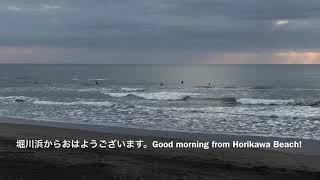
(143, 163)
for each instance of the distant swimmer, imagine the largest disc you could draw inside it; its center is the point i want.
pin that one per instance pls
(161, 84)
(205, 86)
(97, 82)
(182, 82)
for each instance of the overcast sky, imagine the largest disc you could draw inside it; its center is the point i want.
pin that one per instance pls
(160, 31)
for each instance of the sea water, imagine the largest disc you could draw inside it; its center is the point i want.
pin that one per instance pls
(261, 100)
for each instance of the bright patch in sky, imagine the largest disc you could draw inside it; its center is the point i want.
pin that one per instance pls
(282, 22)
(293, 57)
(13, 8)
(46, 6)
(41, 8)
(285, 57)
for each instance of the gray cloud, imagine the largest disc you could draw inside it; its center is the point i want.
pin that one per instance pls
(161, 26)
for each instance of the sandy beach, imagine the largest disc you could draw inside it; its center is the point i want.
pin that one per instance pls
(146, 163)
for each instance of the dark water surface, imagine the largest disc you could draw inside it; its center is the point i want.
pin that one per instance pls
(263, 100)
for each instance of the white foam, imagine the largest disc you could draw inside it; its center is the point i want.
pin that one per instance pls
(90, 103)
(265, 101)
(163, 95)
(272, 111)
(167, 96)
(116, 94)
(92, 90)
(13, 98)
(131, 89)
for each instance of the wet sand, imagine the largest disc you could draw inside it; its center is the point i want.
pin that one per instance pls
(146, 163)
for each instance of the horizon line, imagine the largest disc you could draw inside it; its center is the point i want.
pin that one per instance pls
(157, 64)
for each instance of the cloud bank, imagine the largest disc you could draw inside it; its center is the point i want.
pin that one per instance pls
(160, 31)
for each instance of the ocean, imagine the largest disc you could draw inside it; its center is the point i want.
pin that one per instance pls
(257, 100)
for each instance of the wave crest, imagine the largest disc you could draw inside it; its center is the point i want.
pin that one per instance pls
(293, 102)
(166, 96)
(89, 103)
(249, 101)
(15, 98)
(308, 103)
(131, 89)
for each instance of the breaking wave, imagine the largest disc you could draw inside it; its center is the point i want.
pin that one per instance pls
(89, 103)
(249, 101)
(178, 96)
(132, 89)
(166, 96)
(222, 99)
(24, 99)
(9, 99)
(308, 103)
(170, 96)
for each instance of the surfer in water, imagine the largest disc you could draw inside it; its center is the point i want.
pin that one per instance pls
(161, 84)
(182, 82)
